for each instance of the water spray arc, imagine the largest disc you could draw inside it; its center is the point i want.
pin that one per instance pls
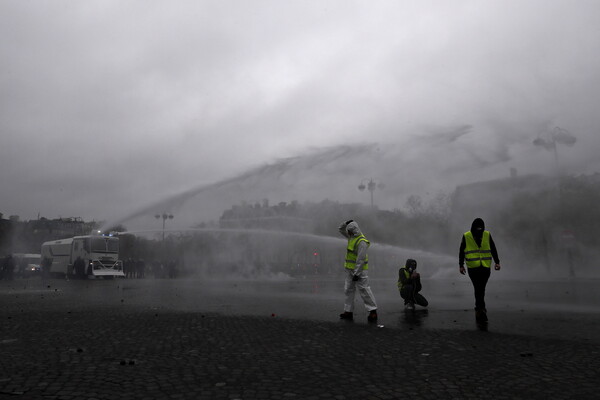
(243, 252)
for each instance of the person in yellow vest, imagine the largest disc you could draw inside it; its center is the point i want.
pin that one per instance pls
(356, 266)
(477, 250)
(409, 285)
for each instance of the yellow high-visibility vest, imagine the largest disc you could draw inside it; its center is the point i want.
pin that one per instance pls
(352, 252)
(476, 256)
(406, 274)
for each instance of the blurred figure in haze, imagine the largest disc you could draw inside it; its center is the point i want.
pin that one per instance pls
(356, 265)
(8, 267)
(46, 266)
(172, 268)
(79, 268)
(140, 268)
(22, 269)
(409, 285)
(569, 246)
(477, 249)
(127, 267)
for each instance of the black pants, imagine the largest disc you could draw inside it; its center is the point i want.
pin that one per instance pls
(409, 295)
(479, 276)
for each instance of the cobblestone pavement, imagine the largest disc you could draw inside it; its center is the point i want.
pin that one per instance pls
(73, 349)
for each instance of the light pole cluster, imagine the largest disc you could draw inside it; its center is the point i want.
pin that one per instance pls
(370, 186)
(164, 217)
(551, 139)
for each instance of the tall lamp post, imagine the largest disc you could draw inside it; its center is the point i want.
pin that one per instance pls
(164, 217)
(370, 186)
(550, 140)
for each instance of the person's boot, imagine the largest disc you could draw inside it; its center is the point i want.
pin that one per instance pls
(372, 316)
(481, 315)
(347, 315)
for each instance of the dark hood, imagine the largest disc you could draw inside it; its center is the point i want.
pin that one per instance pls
(477, 227)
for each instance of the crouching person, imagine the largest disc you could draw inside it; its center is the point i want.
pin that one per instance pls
(409, 285)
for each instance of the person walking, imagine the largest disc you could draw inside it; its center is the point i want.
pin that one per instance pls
(477, 249)
(46, 267)
(79, 268)
(409, 285)
(356, 265)
(8, 267)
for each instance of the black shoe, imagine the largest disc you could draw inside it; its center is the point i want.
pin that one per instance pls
(347, 315)
(372, 316)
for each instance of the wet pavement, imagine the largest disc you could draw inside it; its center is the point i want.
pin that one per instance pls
(280, 339)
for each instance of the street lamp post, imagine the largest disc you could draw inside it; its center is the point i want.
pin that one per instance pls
(164, 217)
(550, 140)
(370, 186)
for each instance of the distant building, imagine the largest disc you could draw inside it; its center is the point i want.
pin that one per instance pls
(62, 227)
(490, 198)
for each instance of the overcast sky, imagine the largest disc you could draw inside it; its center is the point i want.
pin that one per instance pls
(108, 106)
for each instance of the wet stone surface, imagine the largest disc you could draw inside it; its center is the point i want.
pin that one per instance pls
(73, 348)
